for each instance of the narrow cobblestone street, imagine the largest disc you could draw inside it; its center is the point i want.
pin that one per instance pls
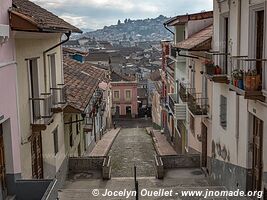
(133, 146)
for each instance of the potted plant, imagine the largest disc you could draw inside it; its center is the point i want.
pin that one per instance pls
(241, 79)
(235, 77)
(252, 80)
(210, 69)
(218, 70)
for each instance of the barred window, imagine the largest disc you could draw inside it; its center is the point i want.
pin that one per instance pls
(223, 112)
(192, 124)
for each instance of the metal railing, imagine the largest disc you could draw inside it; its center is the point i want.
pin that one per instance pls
(217, 63)
(246, 73)
(41, 108)
(59, 94)
(197, 104)
(183, 91)
(173, 51)
(173, 99)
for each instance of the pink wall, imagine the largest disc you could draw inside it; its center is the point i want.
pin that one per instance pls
(122, 87)
(8, 100)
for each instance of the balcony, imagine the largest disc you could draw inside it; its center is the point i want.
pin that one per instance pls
(197, 104)
(178, 109)
(246, 77)
(41, 109)
(216, 67)
(183, 91)
(59, 98)
(88, 127)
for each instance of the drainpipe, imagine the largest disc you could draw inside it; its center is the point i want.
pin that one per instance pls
(46, 51)
(166, 27)
(237, 97)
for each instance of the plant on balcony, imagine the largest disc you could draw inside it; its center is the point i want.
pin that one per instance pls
(238, 78)
(210, 68)
(218, 70)
(252, 80)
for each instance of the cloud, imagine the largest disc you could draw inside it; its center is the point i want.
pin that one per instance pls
(98, 13)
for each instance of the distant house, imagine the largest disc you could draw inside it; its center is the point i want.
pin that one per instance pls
(88, 100)
(124, 93)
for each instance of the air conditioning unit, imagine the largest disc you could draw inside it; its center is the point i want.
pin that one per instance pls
(4, 33)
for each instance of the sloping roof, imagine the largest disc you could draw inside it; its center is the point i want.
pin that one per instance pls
(81, 80)
(74, 51)
(116, 77)
(182, 19)
(25, 11)
(97, 56)
(200, 41)
(142, 93)
(155, 76)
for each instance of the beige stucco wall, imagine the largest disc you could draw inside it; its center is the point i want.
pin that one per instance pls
(156, 108)
(32, 45)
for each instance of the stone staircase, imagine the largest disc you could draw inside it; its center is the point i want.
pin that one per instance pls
(82, 189)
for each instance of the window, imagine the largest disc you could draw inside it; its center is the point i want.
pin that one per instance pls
(55, 135)
(34, 87)
(223, 112)
(116, 95)
(53, 80)
(192, 124)
(128, 94)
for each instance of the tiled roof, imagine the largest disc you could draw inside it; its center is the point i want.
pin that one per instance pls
(155, 76)
(116, 77)
(74, 51)
(97, 56)
(81, 80)
(198, 41)
(182, 19)
(142, 93)
(38, 16)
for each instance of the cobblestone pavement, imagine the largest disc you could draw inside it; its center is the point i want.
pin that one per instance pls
(133, 146)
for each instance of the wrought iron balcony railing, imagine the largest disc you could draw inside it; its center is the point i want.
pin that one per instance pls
(247, 77)
(41, 109)
(197, 104)
(216, 66)
(59, 97)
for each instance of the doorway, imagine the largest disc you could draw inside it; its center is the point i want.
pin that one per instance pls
(128, 111)
(2, 164)
(204, 132)
(257, 154)
(117, 113)
(37, 156)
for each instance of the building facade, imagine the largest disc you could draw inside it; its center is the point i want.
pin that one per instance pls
(9, 118)
(124, 95)
(239, 115)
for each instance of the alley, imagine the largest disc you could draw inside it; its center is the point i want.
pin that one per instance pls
(133, 146)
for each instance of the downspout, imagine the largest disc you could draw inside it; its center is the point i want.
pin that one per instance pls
(166, 27)
(237, 97)
(46, 51)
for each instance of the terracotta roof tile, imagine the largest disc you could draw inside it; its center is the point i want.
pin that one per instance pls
(40, 17)
(182, 19)
(81, 80)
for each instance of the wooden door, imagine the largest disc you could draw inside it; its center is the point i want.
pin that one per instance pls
(257, 154)
(2, 163)
(37, 157)
(204, 145)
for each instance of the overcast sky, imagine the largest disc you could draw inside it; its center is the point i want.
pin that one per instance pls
(98, 13)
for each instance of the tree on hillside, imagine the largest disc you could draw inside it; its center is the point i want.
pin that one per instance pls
(119, 22)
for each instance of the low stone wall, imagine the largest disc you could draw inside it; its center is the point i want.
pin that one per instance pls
(159, 167)
(106, 168)
(181, 161)
(83, 164)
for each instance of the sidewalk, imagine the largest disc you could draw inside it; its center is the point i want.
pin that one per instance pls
(162, 146)
(103, 146)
